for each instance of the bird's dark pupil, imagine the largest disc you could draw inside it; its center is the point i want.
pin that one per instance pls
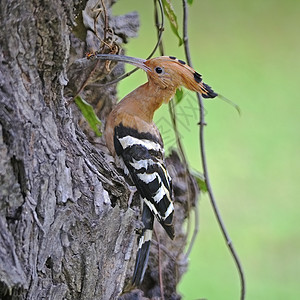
(158, 70)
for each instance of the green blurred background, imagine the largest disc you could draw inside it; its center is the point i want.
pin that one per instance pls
(247, 51)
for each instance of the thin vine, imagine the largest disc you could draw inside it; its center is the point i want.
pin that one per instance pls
(204, 164)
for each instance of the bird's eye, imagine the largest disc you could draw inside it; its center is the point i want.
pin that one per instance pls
(159, 70)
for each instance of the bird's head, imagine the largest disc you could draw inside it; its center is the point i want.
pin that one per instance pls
(167, 72)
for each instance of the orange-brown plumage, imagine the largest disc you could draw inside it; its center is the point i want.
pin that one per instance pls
(136, 110)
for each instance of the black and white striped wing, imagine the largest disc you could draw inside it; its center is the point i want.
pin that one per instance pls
(143, 155)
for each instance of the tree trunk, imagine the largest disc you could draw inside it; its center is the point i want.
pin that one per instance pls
(66, 231)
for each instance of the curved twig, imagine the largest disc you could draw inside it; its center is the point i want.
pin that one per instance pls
(187, 176)
(105, 20)
(196, 228)
(159, 26)
(205, 169)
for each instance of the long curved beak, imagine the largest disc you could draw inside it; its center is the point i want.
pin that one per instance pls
(137, 62)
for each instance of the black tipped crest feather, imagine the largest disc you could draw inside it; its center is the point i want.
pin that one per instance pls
(210, 93)
(197, 77)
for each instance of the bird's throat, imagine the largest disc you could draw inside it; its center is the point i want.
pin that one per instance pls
(153, 98)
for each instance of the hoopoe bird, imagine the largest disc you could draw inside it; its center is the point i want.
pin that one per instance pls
(135, 142)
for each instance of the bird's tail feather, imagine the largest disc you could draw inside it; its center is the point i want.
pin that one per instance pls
(143, 247)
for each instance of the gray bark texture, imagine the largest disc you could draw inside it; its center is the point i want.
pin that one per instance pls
(66, 231)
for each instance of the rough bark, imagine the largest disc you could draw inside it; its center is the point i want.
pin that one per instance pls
(66, 231)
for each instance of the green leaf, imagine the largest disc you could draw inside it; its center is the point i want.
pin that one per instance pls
(170, 13)
(200, 180)
(178, 95)
(190, 2)
(89, 114)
